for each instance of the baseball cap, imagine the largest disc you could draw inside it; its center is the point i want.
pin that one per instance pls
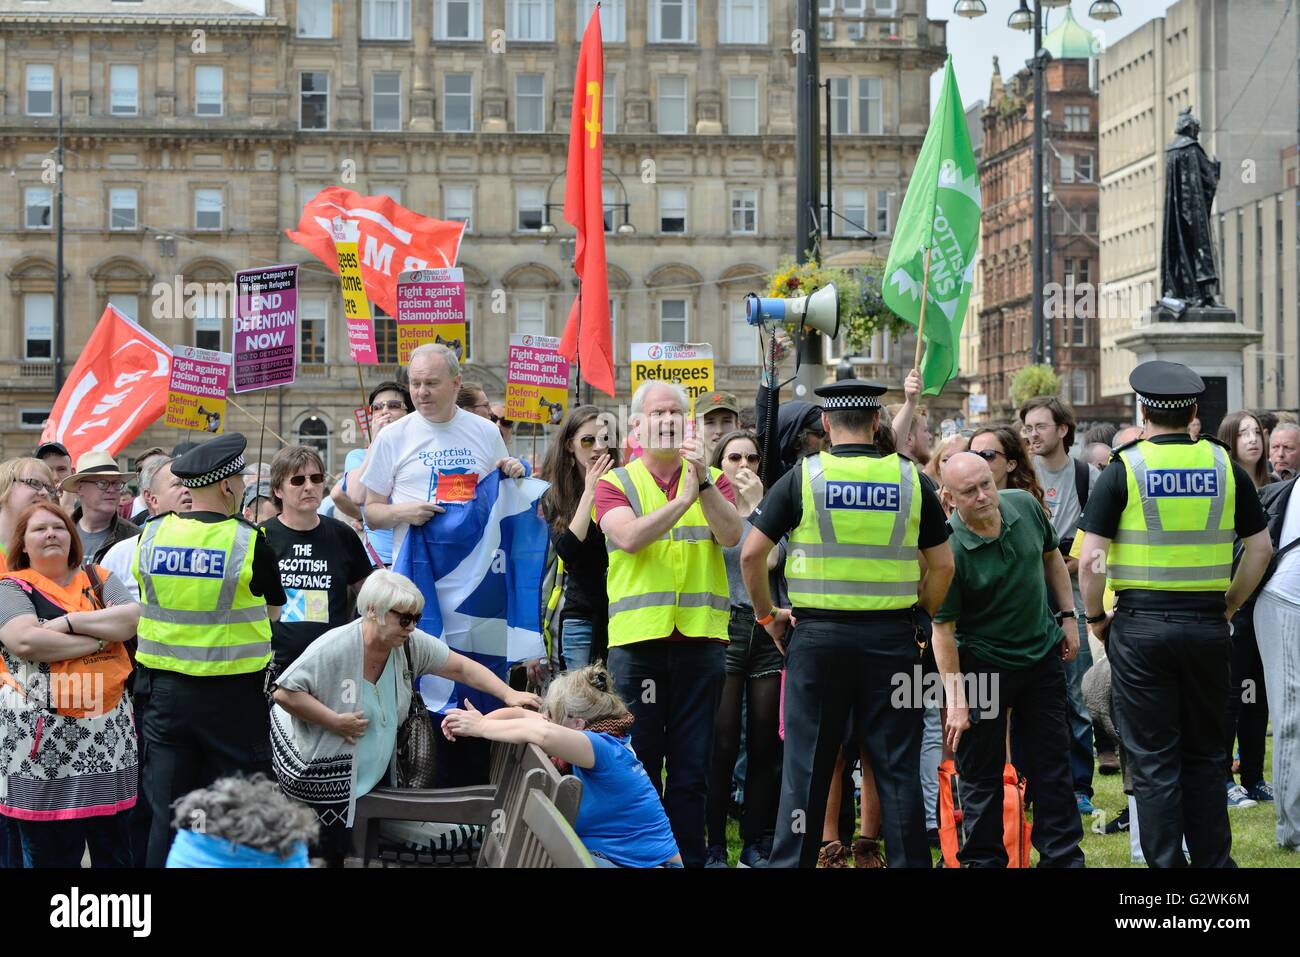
(260, 490)
(50, 448)
(712, 401)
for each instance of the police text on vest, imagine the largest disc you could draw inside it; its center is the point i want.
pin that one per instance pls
(77, 910)
(868, 496)
(1182, 483)
(187, 562)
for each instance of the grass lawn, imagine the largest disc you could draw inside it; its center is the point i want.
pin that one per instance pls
(1253, 841)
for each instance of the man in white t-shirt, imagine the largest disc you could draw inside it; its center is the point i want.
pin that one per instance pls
(436, 455)
(1049, 432)
(1277, 632)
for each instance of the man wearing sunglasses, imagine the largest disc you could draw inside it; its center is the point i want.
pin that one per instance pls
(321, 560)
(98, 483)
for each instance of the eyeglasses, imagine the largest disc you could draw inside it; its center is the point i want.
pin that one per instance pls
(105, 485)
(589, 441)
(316, 478)
(405, 620)
(751, 458)
(1038, 429)
(392, 406)
(988, 455)
(485, 404)
(40, 486)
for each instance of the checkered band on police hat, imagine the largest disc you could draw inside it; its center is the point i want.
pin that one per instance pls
(233, 467)
(1184, 402)
(833, 403)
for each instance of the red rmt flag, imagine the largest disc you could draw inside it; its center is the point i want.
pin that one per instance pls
(392, 239)
(587, 334)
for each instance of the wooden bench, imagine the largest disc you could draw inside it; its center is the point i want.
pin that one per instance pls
(548, 837)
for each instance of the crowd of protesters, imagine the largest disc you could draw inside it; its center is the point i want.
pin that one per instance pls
(666, 672)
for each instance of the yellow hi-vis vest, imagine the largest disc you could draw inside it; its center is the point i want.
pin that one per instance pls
(678, 582)
(855, 548)
(1176, 532)
(198, 615)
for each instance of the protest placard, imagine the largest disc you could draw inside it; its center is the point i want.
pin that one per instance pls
(431, 308)
(196, 394)
(537, 380)
(356, 308)
(266, 327)
(689, 364)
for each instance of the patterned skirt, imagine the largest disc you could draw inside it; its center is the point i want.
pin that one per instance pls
(323, 784)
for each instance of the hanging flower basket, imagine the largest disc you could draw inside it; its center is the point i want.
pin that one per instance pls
(862, 311)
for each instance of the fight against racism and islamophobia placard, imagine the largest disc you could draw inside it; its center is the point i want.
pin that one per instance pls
(431, 308)
(266, 327)
(537, 380)
(196, 394)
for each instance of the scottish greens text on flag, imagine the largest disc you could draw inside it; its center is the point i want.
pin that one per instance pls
(941, 212)
(480, 566)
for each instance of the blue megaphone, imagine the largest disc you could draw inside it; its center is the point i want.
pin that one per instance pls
(820, 310)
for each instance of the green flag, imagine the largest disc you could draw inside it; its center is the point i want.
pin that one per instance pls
(941, 212)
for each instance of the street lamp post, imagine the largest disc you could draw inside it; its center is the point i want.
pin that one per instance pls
(1023, 18)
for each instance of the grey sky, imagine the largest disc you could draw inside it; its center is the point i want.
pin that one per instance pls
(973, 43)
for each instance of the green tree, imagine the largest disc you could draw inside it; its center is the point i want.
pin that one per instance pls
(1034, 380)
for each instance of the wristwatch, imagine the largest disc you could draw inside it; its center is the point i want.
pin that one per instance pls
(706, 482)
(1062, 615)
(1094, 619)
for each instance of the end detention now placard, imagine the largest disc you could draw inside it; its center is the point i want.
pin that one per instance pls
(266, 327)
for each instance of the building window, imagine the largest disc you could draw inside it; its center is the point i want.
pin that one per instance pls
(1083, 167)
(870, 115)
(672, 21)
(128, 305)
(313, 320)
(855, 211)
(207, 208)
(743, 21)
(458, 102)
(458, 20)
(208, 322)
(316, 19)
(124, 89)
(613, 325)
(672, 209)
(613, 19)
(40, 89)
(855, 8)
(1080, 387)
(1067, 167)
(530, 19)
(530, 208)
(882, 211)
(385, 335)
(36, 204)
(122, 209)
(609, 105)
(840, 105)
(392, 192)
(386, 19)
(672, 320)
(313, 101)
(1077, 119)
(386, 101)
(607, 199)
(744, 337)
(742, 106)
(744, 211)
(672, 104)
(38, 326)
(32, 419)
(826, 10)
(530, 103)
(313, 431)
(468, 354)
(530, 315)
(458, 204)
(209, 84)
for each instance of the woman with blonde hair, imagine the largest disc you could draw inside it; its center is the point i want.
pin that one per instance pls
(621, 819)
(23, 482)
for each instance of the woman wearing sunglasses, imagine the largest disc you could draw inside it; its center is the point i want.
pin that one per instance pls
(338, 707)
(574, 463)
(320, 558)
(1009, 461)
(753, 669)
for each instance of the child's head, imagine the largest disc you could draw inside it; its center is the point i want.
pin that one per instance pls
(581, 698)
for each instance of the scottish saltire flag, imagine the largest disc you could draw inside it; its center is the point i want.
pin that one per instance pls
(480, 566)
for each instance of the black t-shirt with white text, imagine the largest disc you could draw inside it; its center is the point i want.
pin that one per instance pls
(316, 568)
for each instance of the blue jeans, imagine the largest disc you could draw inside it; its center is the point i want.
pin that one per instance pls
(672, 689)
(63, 843)
(575, 643)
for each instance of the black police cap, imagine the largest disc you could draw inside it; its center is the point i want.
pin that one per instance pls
(212, 461)
(850, 394)
(1166, 385)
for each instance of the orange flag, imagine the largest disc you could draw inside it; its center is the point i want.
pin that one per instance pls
(587, 334)
(116, 390)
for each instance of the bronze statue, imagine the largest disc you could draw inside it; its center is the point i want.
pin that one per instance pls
(1187, 268)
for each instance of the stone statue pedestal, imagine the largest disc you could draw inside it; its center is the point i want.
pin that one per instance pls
(1209, 340)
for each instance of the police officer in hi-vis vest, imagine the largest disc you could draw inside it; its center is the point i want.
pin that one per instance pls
(858, 524)
(1160, 525)
(209, 588)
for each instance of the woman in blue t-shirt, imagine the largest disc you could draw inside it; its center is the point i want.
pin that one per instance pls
(621, 819)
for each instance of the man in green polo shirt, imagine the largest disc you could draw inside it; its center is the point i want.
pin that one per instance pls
(999, 647)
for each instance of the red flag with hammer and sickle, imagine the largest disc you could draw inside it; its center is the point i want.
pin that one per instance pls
(587, 334)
